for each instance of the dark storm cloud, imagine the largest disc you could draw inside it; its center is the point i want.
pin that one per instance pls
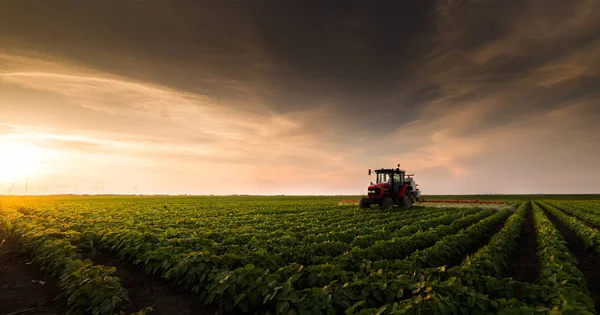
(339, 49)
(205, 48)
(496, 52)
(382, 59)
(289, 56)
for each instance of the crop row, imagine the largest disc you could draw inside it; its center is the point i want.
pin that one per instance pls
(237, 228)
(373, 287)
(335, 242)
(559, 268)
(589, 236)
(211, 275)
(85, 287)
(472, 287)
(585, 211)
(293, 258)
(366, 245)
(157, 244)
(205, 271)
(443, 252)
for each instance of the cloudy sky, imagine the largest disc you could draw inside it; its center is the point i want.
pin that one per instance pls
(299, 97)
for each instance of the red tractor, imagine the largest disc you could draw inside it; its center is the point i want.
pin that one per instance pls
(392, 188)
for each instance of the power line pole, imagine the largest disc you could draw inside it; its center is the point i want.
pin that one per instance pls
(26, 186)
(12, 187)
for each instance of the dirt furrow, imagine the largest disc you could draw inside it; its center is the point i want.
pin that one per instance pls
(524, 265)
(146, 290)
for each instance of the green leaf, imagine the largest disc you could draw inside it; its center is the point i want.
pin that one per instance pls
(352, 308)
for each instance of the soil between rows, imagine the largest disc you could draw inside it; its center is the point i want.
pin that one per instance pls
(587, 261)
(524, 265)
(23, 287)
(146, 290)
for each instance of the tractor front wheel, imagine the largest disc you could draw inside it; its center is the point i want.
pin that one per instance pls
(364, 203)
(387, 204)
(407, 200)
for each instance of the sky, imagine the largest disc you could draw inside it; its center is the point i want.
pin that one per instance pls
(299, 97)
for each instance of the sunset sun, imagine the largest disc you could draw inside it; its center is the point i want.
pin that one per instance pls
(18, 160)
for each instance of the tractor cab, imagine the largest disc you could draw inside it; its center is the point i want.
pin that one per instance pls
(392, 187)
(389, 178)
(385, 176)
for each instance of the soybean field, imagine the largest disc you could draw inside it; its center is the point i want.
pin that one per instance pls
(298, 255)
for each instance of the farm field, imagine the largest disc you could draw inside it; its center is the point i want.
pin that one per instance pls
(304, 255)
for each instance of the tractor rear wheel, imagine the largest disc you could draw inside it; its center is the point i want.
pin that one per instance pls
(387, 204)
(407, 200)
(364, 203)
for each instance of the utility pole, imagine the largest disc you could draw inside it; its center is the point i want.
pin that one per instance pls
(12, 187)
(26, 186)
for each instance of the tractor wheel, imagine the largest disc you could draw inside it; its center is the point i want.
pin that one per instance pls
(407, 200)
(387, 204)
(364, 203)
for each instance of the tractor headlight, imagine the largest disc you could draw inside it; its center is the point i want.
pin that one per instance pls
(373, 191)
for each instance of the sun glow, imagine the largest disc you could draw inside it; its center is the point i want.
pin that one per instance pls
(18, 160)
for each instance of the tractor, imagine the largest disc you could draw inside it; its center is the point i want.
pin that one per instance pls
(391, 188)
